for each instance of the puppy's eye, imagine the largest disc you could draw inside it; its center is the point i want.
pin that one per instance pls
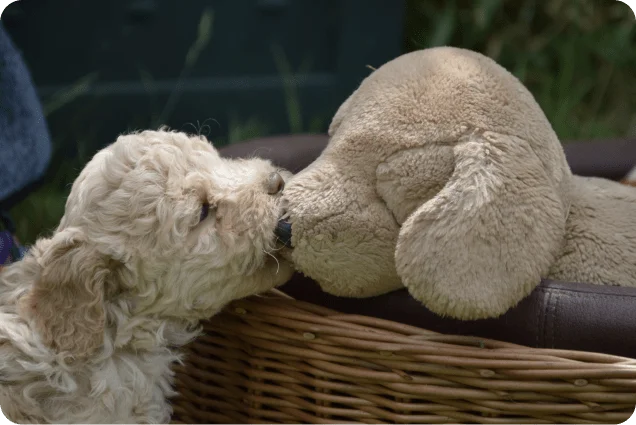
(205, 211)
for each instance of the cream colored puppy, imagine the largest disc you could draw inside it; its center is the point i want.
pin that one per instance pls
(159, 232)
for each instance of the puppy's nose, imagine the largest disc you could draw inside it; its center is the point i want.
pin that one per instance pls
(283, 232)
(275, 183)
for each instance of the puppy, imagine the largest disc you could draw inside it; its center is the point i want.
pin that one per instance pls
(159, 232)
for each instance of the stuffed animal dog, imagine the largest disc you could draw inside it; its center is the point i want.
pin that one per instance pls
(443, 174)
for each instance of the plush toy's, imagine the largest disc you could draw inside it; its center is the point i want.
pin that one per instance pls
(442, 174)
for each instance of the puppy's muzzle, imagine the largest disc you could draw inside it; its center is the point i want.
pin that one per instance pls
(283, 231)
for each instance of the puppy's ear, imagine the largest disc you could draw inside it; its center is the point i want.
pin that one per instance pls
(66, 302)
(486, 239)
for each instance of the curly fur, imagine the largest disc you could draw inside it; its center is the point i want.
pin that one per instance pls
(92, 319)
